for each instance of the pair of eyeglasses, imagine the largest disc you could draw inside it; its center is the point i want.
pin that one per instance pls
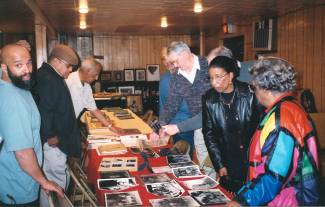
(218, 77)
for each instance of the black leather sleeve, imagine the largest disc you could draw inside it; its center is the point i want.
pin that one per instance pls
(210, 133)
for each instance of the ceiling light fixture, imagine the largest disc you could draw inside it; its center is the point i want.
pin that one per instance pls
(164, 22)
(198, 8)
(83, 6)
(83, 24)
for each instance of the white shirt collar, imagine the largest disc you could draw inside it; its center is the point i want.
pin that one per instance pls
(191, 76)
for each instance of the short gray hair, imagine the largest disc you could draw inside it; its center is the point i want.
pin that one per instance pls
(178, 48)
(274, 74)
(87, 64)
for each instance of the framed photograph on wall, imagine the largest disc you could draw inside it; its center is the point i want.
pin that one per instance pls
(153, 72)
(126, 89)
(118, 75)
(140, 74)
(128, 75)
(106, 76)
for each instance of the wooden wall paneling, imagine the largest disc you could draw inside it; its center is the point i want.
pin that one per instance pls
(300, 47)
(317, 58)
(309, 40)
(322, 108)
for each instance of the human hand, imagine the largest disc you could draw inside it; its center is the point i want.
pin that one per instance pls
(53, 141)
(48, 186)
(170, 129)
(223, 171)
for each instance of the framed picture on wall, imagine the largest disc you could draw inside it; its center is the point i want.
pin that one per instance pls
(128, 75)
(140, 74)
(126, 89)
(106, 76)
(118, 75)
(153, 72)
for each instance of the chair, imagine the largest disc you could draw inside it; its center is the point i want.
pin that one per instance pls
(81, 191)
(56, 201)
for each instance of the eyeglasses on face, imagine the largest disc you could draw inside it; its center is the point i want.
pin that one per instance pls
(218, 77)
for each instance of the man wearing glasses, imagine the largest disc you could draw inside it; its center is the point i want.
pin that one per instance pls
(59, 129)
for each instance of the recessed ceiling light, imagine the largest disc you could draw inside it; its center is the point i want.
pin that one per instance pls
(198, 8)
(164, 22)
(83, 6)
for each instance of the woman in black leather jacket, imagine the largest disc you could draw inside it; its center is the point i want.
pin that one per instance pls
(230, 115)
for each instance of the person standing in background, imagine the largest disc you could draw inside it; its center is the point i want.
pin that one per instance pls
(60, 132)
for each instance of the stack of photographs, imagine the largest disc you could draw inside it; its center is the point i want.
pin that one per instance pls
(123, 114)
(131, 198)
(175, 161)
(187, 171)
(116, 184)
(204, 182)
(174, 202)
(162, 185)
(114, 174)
(209, 197)
(118, 163)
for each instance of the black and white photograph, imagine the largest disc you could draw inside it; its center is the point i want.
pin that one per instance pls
(153, 72)
(167, 189)
(114, 174)
(155, 178)
(126, 90)
(131, 198)
(106, 76)
(118, 75)
(209, 197)
(205, 182)
(173, 159)
(128, 75)
(184, 201)
(188, 171)
(116, 184)
(140, 74)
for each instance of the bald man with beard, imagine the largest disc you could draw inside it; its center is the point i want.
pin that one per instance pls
(21, 153)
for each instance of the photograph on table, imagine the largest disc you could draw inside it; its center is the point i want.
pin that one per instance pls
(209, 197)
(153, 72)
(140, 74)
(188, 171)
(126, 90)
(134, 103)
(175, 161)
(114, 174)
(111, 89)
(106, 76)
(131, 198)
(204, 182)
(155, 178)
(116, 184)
(117, 75)
(183, 201)
(118, 163)
(128, 75)
(166, 189)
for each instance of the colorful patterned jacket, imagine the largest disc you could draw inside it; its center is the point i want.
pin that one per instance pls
(283, 159)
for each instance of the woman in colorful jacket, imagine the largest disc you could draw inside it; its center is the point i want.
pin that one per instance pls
(283, 152)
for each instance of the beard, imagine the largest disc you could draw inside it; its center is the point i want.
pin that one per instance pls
(19, 82)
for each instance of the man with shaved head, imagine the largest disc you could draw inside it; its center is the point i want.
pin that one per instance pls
(82, 96)
(21, 153)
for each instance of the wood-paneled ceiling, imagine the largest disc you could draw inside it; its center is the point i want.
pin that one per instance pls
(142, 16)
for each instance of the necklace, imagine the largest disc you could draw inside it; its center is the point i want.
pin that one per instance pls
(231, 100)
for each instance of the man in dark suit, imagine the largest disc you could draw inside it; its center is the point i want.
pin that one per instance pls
(59, 128)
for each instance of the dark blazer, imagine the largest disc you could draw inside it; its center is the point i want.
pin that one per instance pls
(54, 102)
(228, 145)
